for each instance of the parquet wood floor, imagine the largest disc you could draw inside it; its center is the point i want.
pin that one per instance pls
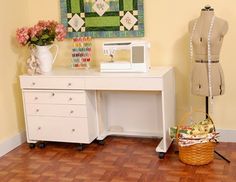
(119, 160)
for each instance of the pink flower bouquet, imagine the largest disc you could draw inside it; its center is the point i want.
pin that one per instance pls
(42, 34)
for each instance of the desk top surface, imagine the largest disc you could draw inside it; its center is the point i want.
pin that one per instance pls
(71, 72)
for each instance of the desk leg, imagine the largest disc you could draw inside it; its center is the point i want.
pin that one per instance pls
(168, 112)
(102, 134)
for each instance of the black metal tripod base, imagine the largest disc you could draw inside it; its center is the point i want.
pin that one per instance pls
(227, 160)
(207, 111)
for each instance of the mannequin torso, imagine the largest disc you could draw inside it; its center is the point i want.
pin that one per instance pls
(200, 82)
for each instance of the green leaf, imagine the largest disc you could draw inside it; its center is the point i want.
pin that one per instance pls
(40, 43)
(34, 39)
(45, 36)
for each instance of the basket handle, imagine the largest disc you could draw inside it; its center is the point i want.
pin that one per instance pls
(196, 111)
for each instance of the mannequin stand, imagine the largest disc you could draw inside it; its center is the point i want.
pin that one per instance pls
(207, 112)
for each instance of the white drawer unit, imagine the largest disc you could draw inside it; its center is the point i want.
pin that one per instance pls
(58, 109)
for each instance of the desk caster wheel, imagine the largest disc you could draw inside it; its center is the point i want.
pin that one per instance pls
(101, 142)
(161, 155)
(42, 145)
(80, 147)
(32, 145)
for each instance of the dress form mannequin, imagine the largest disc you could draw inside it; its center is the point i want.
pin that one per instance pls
(207, 33)
(200, 73)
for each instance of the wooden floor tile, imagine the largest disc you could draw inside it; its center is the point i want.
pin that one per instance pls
(120, 159)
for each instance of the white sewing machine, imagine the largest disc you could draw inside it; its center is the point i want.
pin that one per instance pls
(137, 57)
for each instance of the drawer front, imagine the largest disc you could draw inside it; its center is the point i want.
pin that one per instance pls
(124, 83)
(58, 129)
(55, 97)
(56, 110)
(43, 82)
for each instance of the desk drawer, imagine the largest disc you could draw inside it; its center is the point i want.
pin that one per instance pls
(56, 110)
(58, 129)
(124, 83)
(55, 97)
(44, 82)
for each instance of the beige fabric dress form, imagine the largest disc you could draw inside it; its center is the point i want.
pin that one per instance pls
(199, 78)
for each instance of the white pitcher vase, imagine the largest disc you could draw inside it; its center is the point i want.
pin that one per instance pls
(44, 55)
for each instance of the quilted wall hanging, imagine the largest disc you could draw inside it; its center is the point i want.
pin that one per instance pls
(103, 18)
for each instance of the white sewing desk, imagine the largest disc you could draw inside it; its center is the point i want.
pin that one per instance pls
(107, 108)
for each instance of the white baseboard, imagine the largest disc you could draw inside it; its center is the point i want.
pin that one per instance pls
(12, 142)
(227, 135)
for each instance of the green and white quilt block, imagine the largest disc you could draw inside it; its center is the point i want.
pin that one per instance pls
(103, 18)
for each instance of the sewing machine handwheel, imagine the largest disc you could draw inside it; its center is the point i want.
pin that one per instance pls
(161, 155)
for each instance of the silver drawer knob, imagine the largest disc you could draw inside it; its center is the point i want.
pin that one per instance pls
(53, 94)
(69, 84)
(39, 128)
(33, 83)
(37, 110)
(70, 99)
(73, 130)
(36, 98)
(71, 111)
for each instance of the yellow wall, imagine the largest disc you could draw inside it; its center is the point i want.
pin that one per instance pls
(12, 15)
(166, 23)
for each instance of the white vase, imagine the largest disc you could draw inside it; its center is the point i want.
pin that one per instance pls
(44, 55)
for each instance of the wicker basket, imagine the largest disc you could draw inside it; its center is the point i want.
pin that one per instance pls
(198, 154)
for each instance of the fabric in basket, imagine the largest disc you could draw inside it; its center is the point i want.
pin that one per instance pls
(201, 128)
(201, 132)
(188, 140)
